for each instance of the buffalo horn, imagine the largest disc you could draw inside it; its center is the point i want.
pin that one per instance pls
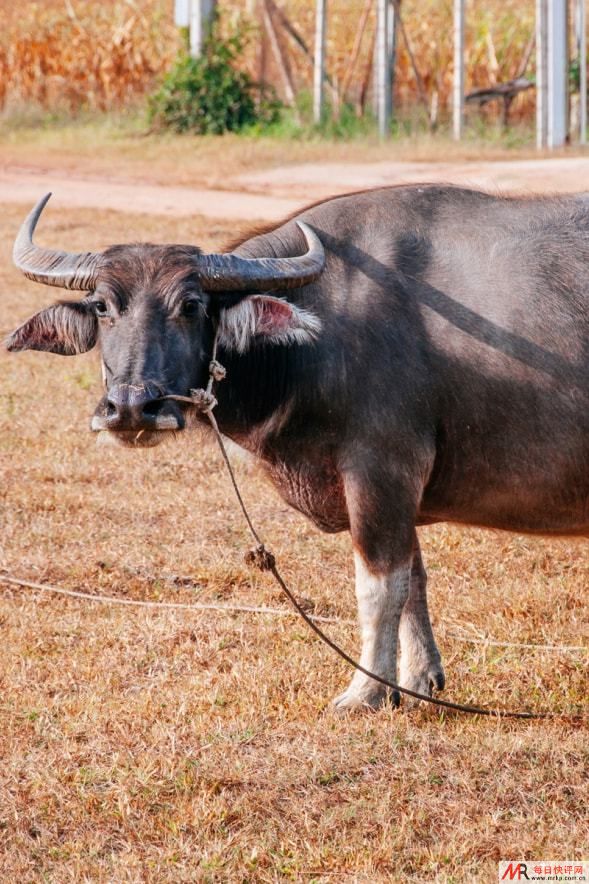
(231, 273)
(68, 270)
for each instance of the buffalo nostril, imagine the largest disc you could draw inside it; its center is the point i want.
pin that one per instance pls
(151, 409)
(111, 408)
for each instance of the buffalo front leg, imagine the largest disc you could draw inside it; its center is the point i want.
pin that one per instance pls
(383, 555)
(380, 598)
(421, 664)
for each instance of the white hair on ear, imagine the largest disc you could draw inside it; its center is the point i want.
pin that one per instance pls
(240, 325)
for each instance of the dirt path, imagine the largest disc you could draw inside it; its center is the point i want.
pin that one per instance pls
(272, 194)
(27, 185)
(316, 181)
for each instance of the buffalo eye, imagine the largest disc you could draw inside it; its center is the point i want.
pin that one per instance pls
(100, 307)
(191, 307)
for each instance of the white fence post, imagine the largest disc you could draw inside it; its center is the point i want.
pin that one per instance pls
(581, 34)
(557, 73)
(394, 12)
(541, 74)
(384, 64)
(458, 89)
(201, 15)
(319, 60)
(182, 13)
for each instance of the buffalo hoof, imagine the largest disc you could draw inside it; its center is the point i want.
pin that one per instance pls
(367, 700)
(425, 681)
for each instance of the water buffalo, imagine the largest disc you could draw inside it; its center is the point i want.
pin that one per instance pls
(395, 358)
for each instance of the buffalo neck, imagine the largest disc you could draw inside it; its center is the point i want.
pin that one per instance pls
(262, 384)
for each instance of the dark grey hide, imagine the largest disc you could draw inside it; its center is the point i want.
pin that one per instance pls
(449, 381)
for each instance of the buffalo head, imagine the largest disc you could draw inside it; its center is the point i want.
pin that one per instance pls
(154, 310)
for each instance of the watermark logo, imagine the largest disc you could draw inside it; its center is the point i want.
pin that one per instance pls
(533, 870)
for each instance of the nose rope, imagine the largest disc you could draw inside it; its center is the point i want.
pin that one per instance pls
(205, 402)
(203, 399)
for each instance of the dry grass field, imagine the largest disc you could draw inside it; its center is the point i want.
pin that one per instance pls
(151, 745)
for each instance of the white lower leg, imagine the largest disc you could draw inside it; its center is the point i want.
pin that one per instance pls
(421, 663)
(380, 602)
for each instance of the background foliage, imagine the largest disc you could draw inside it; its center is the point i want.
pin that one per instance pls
(210, 95)
(76, 55)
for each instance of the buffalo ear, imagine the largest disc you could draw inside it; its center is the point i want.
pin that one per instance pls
(67, 328)
(265, 317)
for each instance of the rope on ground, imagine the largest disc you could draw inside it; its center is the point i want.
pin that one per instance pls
(261, 609)
(147, 603)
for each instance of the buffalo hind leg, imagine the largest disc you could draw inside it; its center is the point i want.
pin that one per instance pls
(421, 664)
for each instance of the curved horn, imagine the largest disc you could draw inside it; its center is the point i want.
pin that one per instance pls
(230, 273)
(66, 269)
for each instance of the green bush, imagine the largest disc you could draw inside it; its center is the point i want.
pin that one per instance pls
(210, 94)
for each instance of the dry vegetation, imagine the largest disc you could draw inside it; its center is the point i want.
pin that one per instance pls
(142, 745)
(80, 54)
(497, 37)
(69, 56)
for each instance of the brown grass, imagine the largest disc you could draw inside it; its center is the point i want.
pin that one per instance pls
(82, 54)
(177, 747)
